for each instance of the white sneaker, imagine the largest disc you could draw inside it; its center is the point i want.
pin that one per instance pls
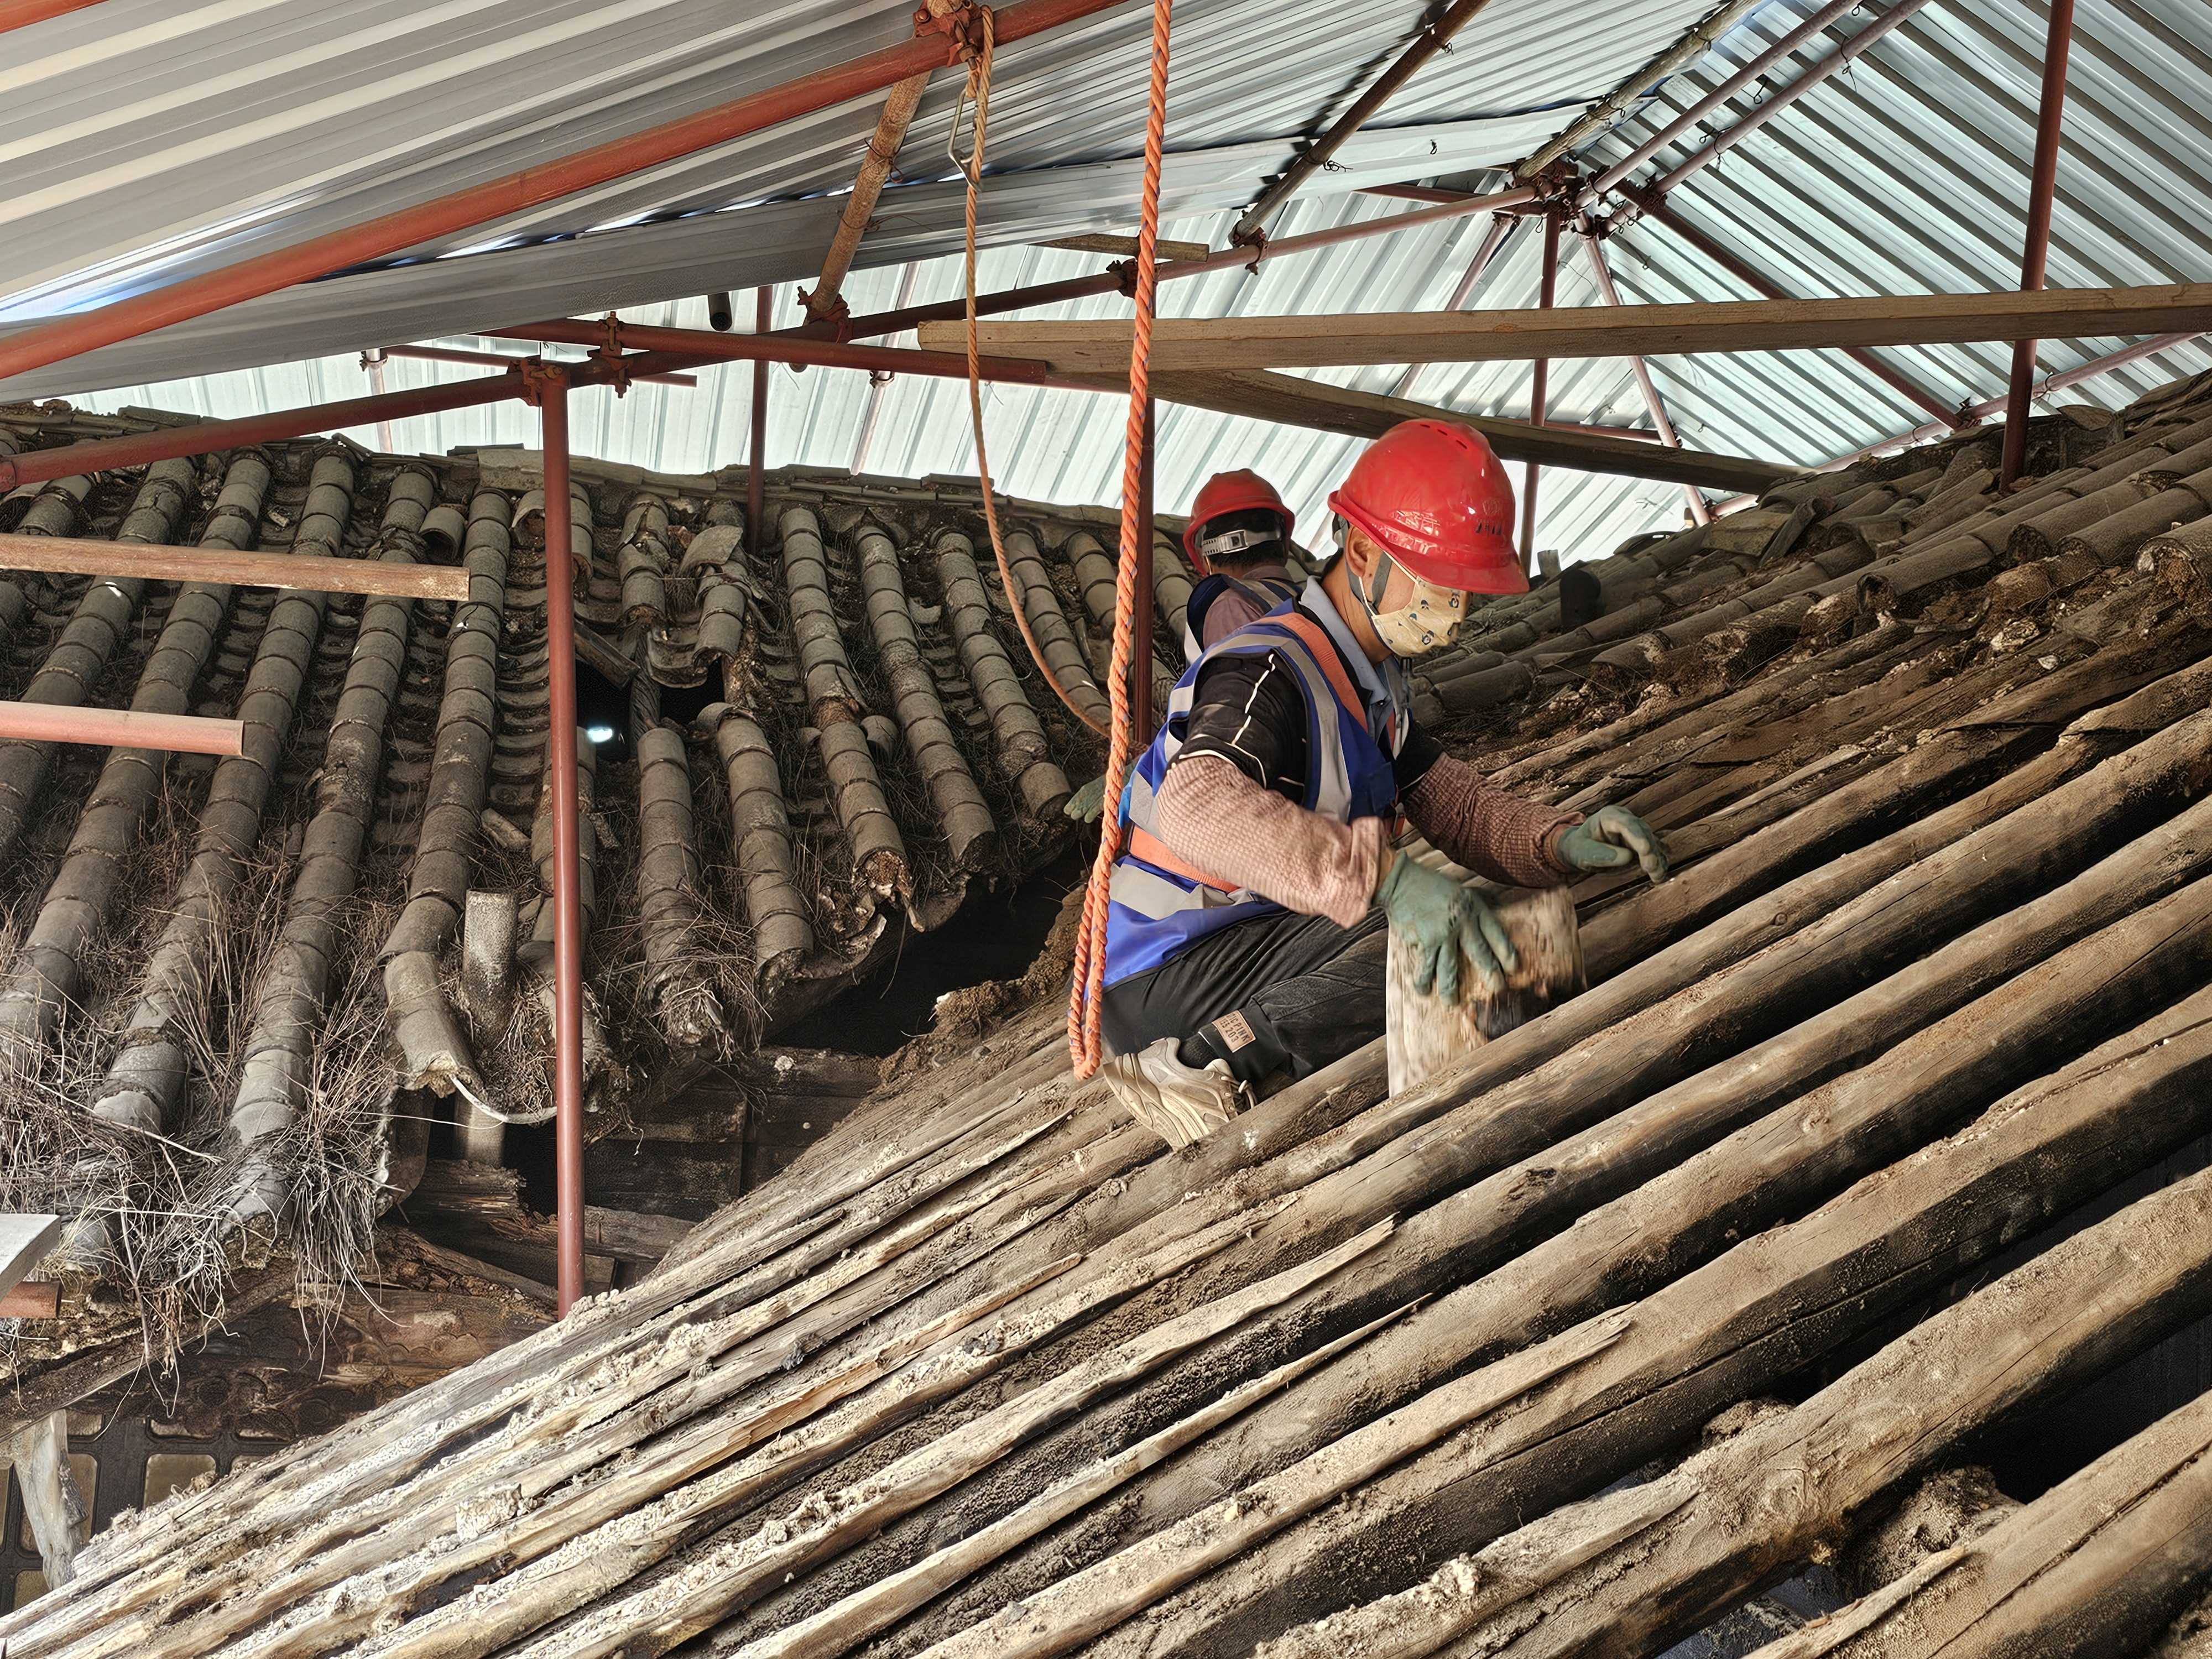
(1177, 1102)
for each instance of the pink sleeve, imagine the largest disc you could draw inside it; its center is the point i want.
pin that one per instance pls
(1230, 611)
(1496, 835)
(1215, 817)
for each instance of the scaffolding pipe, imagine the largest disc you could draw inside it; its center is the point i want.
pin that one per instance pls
(1613, 108)
(1493, 243)
(500, 360)
(781, 348)
(1699, 513)
(1654, 206)
(756, 474)
(205, 437)
(881, 322)
(2035, 259)
(1427, 44)
(1821, 73)
(567, 896)
(1720, 94)
(1539, 388)
(21, 14)
(2061, 381)
(371, 363)
(515, 192)
(121, 728)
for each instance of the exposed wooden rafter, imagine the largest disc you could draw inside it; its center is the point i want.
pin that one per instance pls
(1361, 338)
(1289, 400)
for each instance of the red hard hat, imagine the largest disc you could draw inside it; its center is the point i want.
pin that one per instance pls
(1438, 501)
(1240, 491)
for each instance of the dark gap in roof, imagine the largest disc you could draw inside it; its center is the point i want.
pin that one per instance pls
(993, 936)
(603, 712)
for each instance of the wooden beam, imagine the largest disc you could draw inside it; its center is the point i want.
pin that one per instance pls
(59, 1518)
(1125, 247)
(1236, 342)
(75, 556)
(1288, 400)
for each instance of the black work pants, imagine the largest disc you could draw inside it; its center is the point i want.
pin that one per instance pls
(1280, 993)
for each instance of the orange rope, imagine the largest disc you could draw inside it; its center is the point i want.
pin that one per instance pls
(979, 90)
(1084, 996)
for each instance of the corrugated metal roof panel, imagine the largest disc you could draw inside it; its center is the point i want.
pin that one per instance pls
(1908, 173)
(150, 143)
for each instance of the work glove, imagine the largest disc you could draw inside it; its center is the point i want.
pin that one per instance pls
(1086, 804)
(1443, 919)
(1612, 838)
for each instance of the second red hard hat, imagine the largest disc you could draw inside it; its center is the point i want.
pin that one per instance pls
(1240, 491)
(1437, 498)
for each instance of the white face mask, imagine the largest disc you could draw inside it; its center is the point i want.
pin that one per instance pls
(1426, 623)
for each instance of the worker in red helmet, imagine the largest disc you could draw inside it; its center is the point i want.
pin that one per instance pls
(1238, 541)
(1253, 900)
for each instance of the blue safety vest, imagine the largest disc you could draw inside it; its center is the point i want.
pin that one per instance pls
(1160, 904)
(1268, 592)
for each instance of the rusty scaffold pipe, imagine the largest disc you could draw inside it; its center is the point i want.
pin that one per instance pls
(1116, 281)
(121, 728)
(1662, 427)
(21, 14)
(1688, 119)
(772, 347)
(1539, 386)
(1433, 39)
(756, 473)
(1817, 76)
(552, 384)
(496, 360)
(205, 437)
(1653, 206)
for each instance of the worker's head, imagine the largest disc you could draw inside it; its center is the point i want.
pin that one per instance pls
(1426, 518)
(1237, 524)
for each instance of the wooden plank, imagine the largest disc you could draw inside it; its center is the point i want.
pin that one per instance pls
(59, 1518)
(78, 556)
(1125, 247)
(1288, 400)
(1242, 343)
(24, 1242)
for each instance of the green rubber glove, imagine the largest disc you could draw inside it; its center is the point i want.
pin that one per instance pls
(1612, 838)
(1443, 919)
(1086, 804)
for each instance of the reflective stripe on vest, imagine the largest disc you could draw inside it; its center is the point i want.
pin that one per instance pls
(1160, 904)
(1270, 593)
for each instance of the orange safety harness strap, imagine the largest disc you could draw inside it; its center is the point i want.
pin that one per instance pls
(1144, 844)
